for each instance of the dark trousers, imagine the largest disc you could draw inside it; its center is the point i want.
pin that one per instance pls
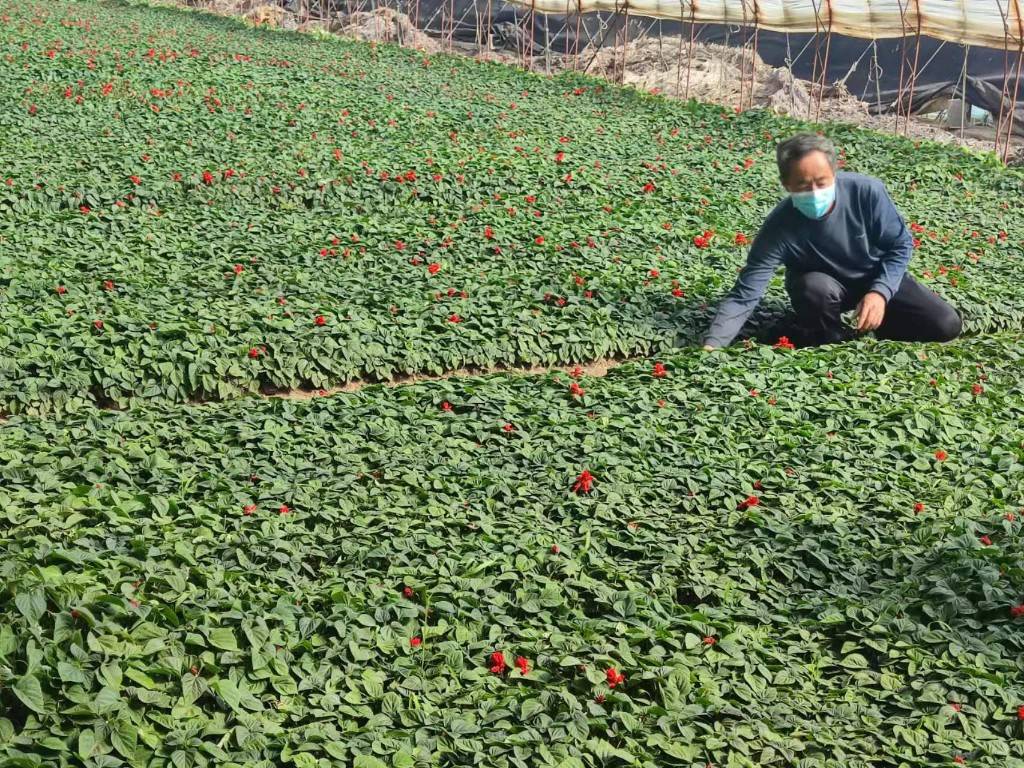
(915, 313)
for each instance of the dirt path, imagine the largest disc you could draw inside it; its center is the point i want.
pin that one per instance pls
(596, 368)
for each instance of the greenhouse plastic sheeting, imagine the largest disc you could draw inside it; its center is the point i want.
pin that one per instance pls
(994, 23)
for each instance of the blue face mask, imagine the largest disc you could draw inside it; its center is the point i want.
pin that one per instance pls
(814, 204)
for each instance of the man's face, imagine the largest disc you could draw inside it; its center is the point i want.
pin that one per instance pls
(810, 172)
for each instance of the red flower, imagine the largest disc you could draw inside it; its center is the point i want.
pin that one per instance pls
(320, 320)
(954, 706)
(509, 428)
(576, 391)
(710, 640)
(919, 507)
(254, 352)
(61, 290)
(614, 677)
(741, 239)
(446, 406)
(239, 269)
(576, 372)
(747, 503)
(407, 592)
(959, 760)
(584, 483)
(84, 209)
(433, 268)
(399, 245)
(941, 455)
(654, 273)
(488, 233)
(98, 325)
(977, 389)
(1016, 611)
(783, 343)
(649, 187)
(498, 665)
(284, 509)
(659, 371)
(985, 540)
(559, 157)
(1020, 712)
(415, 642)
(755, 393)
(701, 241)
(678, 292)
(523, 663)
(136, 180)
(248, 509)
(454, 319)
(555, 549)
(539, 240)
(207, 177)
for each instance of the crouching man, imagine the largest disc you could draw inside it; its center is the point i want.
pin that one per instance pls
(844, 246)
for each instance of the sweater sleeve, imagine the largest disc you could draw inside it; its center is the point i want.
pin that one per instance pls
(764, 258)
(894, 240)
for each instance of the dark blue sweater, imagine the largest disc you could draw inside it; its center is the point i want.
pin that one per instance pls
(862, 240)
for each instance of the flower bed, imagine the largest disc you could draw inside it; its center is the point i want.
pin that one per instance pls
(194, 210)
(762, 557)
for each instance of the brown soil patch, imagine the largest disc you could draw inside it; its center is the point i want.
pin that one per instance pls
(595, 369)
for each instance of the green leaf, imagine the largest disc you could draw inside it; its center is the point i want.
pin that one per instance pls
(30, 692)
(31, 604)
(223, 638)
(228, 690)
(604, 750)
(855, 661)
(86, 743)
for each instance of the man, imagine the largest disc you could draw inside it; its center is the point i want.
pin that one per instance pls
(844, 246)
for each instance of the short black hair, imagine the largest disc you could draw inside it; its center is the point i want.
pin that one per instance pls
(796, 147)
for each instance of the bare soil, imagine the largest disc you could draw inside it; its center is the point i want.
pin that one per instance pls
(597, 368)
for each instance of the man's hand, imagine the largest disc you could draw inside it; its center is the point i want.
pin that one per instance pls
(708, 348)
(871, 311)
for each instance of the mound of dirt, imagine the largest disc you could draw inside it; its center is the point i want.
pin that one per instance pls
(716, 73)
(269, 15)
(383, 25)
(720, 74)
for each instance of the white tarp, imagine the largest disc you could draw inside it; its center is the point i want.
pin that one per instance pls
(993, 23)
